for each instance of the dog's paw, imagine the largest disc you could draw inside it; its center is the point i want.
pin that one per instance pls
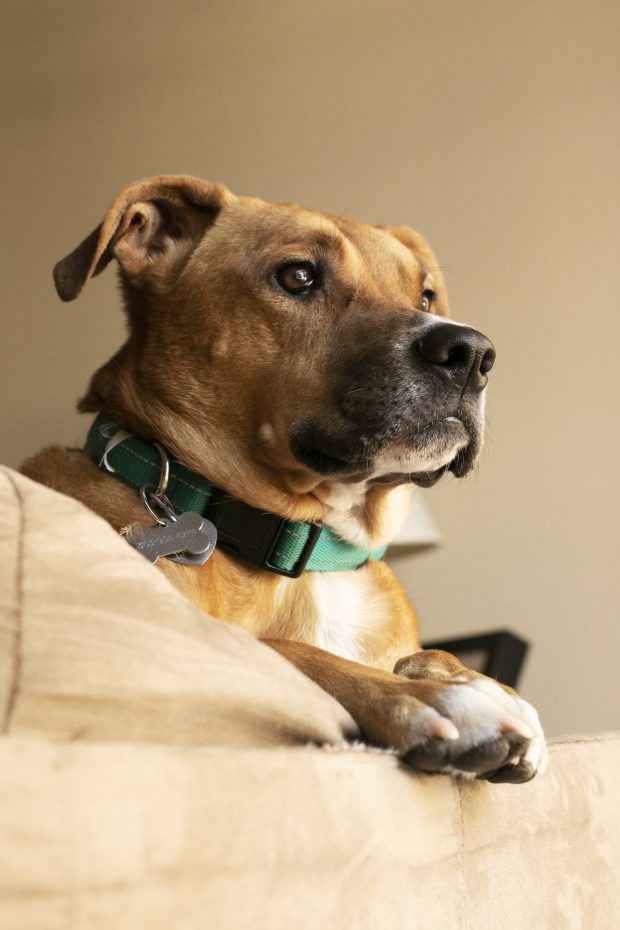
(500, 736)
(478, 730)
(535, 757)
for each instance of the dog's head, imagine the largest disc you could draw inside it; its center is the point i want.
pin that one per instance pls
(278, 347)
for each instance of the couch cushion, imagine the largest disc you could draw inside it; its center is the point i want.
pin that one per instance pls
(95, 643)
(128, 837)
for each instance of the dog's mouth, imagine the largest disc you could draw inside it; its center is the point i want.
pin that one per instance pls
(450, 444)
(424, 479)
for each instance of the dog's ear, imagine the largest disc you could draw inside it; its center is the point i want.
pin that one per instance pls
(151, 228)
(425, 255)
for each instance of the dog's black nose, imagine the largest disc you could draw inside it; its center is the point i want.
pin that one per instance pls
(460, 354)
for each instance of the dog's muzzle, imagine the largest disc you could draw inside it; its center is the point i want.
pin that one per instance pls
(406, 403)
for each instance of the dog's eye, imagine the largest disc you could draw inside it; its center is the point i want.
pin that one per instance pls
(298, 277)
(428, 297)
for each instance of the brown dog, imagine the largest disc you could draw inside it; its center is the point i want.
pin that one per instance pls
(301, 363)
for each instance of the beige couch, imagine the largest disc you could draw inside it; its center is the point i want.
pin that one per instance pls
(162, 771)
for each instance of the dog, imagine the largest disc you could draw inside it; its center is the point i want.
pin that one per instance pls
(302, 368)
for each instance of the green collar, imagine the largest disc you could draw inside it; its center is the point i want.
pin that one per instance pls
(285, 547)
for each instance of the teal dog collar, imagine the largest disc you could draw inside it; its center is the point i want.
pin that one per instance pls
(265, 540)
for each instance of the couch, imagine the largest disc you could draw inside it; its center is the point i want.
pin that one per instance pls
(160, 770)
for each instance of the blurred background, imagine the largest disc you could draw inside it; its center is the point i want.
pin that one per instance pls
(492, 127)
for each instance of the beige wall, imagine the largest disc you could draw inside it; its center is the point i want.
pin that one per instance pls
(491, 126)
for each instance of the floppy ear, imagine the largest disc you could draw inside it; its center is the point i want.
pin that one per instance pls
(151, 228)
(425, 255)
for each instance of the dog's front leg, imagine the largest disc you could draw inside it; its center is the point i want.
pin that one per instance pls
(447, 722)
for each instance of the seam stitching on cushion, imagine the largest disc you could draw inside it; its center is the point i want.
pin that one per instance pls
(580, 740)
(462, 908)
(19, 596)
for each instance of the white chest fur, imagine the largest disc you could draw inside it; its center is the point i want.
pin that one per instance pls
(351, 612)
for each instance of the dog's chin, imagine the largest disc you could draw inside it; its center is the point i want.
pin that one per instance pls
(446, 446)
(461, 465)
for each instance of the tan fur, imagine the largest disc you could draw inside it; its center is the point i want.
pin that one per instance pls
(194, 262)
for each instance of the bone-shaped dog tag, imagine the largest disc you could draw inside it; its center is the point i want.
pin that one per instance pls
(190, 539)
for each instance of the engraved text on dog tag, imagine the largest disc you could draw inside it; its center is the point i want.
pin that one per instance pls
(190, 538)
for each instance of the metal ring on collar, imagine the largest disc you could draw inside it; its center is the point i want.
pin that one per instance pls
(164, 476)
(149, 497)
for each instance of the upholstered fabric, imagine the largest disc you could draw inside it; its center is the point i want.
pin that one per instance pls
(134, 836)
(96, 644)
(161, 770)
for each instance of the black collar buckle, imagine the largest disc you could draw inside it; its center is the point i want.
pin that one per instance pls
(253, 536)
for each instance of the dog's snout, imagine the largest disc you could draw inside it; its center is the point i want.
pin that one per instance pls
(458, 353)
